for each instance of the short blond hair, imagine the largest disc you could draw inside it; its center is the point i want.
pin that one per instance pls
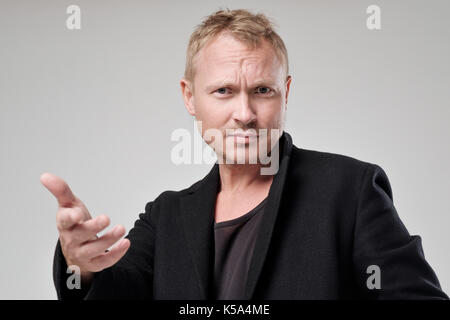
(245, 26)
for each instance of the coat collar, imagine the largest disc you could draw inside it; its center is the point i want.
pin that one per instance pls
(197, 219)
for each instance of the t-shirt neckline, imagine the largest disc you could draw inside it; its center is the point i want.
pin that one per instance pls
(248, 215)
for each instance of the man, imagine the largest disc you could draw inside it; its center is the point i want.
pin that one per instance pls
(321, 226)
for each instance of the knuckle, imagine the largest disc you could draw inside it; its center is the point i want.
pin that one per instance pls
(64, 221)
(73, 216)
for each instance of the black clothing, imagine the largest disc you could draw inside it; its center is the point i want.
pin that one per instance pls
(328, 217)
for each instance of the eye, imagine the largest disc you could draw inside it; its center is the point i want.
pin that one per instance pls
(222, 91)
(263, 90)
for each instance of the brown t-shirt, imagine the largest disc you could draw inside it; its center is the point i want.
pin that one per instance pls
(234, 243)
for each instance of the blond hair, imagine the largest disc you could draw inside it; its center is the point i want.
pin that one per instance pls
(245, 26)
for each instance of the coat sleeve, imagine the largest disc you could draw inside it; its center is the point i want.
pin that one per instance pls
(130, 278)
(389, 263)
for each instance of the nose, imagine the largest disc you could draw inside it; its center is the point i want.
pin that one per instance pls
(243, 113)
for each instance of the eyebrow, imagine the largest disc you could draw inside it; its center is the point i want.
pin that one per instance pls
(226, 83)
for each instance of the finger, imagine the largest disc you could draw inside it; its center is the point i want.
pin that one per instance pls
(87, 230)
(97, 247)
(67, 218)
(111, 257)
(59, 188)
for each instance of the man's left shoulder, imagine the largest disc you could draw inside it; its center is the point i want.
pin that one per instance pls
(328, 165)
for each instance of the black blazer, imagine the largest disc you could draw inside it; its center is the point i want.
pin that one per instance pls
(328, 218)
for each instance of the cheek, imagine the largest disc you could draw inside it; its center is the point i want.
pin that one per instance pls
(271, 114)
(210, 113)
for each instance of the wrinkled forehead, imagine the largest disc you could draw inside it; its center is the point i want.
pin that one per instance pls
(226, 57)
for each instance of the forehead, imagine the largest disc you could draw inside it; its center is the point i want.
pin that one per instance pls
(225, 56)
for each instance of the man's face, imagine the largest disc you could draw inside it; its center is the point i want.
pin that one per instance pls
(238, 88)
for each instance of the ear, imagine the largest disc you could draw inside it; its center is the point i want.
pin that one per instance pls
(188, 95)
(288, 85)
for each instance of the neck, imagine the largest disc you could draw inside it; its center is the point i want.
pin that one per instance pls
(238, 177)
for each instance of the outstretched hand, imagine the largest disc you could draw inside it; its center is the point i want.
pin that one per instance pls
(78, 230)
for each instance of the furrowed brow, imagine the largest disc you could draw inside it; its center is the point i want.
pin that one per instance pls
(220, 84)
(263, 82)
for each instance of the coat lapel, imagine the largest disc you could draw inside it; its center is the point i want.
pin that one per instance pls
(270, 214)
(197, 219)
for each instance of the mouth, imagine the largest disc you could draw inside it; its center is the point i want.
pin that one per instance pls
(242, 137)
(241, 133)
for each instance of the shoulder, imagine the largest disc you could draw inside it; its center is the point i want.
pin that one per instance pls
(329, 168)
(314, 158)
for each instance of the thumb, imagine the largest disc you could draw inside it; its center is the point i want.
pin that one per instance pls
(59, 188)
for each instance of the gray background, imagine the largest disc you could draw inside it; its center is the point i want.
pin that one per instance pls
(97, 107)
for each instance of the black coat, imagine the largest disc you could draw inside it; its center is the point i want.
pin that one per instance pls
(328, 218)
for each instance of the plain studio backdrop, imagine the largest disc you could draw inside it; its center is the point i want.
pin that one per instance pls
(97, 107)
